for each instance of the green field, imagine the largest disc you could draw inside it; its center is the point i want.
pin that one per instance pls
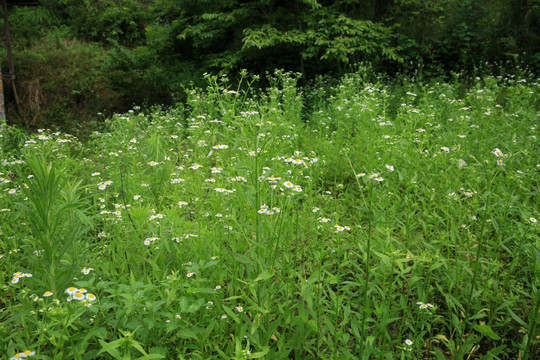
(362, 220)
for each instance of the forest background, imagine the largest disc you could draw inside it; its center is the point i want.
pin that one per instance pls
(78, 61)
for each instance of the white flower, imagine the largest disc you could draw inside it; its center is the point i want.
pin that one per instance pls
(195, 167)
(497, 152)
(86, 270)
(408, 342)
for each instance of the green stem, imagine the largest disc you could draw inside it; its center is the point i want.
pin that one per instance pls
(338, 303)
(479, 249)
(367, 270)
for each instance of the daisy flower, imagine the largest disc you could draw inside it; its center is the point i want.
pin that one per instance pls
(86, 270)
(195, 167)
(220, 147)
(78, 296)
(71, 290)
(288, 184)
(23, 355)
(497, 152)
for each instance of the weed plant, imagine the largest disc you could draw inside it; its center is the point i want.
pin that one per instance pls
(388, 222)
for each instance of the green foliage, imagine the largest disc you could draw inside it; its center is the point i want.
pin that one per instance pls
(106, 21)
(60, 83)
(145, 52)
(389, 219)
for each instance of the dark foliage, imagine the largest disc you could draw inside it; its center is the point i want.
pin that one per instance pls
(146, 51)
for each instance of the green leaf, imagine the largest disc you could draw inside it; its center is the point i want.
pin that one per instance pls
(151, 356)
(260, 353)
(110, 348)
(242, 258)
(266, 274)
(516, 318)
(487, 331)
(187, 334)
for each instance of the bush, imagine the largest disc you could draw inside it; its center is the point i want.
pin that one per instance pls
(60, 82)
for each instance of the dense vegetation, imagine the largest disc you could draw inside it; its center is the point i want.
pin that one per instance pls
(393, 221)
(75, 58)
(377, 198)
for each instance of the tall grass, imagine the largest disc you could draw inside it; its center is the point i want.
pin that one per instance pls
(385, 220)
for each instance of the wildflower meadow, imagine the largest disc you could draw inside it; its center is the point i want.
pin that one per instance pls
(383, 221)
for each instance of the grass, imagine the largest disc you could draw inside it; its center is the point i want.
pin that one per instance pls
(391, 221)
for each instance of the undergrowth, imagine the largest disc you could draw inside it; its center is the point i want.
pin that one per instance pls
(384, 223)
